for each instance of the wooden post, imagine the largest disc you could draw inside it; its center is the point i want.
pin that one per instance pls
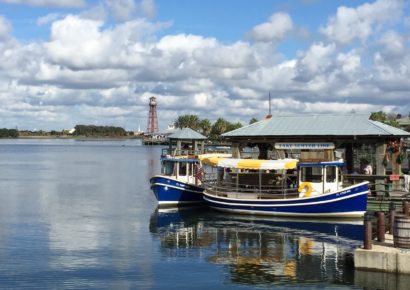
(381, 227)
(396, 170)
(392, 214)
(405, 208)
(195, 147)
(367, 241)
(235, 150)
(170, 148)
(178, 149)
(349, 158)
(380, 169)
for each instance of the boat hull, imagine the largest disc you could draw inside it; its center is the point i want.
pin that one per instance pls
(171, 192)
(348, 202)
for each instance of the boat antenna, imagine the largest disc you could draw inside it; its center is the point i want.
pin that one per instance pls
(270, 111)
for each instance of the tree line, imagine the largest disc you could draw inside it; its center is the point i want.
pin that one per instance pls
(99, 131)
(206, 128)
(9, 133)
(389, 119)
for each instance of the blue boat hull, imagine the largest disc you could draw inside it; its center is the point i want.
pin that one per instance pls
(348, 202)
(169, 191)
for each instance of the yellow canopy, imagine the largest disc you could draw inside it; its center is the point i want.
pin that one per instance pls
(249, 163)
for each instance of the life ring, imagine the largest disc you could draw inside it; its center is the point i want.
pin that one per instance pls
(309, 189)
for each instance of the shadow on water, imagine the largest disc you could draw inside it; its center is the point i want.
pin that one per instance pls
(262, 251)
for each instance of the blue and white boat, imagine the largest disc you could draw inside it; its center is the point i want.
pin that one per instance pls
(283, 188)
(179, 182)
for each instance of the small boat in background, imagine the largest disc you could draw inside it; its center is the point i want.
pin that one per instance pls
(282, 188)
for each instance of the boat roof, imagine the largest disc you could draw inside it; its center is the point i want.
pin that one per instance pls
(194, 158)
(327, 163)
(180, 159)
(250, 163)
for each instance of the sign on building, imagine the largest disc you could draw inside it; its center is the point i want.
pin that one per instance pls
(304, 146)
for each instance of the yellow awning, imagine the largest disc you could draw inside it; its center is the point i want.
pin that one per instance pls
(249, 163)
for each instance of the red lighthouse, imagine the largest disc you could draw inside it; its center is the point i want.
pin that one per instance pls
(152, 116)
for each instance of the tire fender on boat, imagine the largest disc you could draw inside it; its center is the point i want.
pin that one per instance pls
(308, 187)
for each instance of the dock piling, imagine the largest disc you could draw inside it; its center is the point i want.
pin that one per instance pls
(381, 226)
(367, 241)
(392, 214)
(405, 208)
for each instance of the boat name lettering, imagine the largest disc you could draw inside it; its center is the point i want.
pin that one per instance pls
(343, 192)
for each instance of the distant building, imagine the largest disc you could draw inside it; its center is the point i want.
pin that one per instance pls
(139, 131)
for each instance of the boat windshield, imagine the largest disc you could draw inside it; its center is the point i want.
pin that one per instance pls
(168, 168)
(182, 169)
(331, 173)
(311, 174)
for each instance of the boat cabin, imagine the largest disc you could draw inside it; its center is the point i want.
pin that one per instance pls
(284, 177)
(182, 169)
(318, 178)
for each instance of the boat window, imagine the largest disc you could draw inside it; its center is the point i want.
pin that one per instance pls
(182, 169)
(311, 174)
(168, 168)
(330, 173)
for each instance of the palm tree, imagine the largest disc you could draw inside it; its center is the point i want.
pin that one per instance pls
(187, 121)
(205, 126)
(253, 120)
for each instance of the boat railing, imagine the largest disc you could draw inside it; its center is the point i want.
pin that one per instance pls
(379, 185)
(183, 152)
(237, 190)
(189, 152)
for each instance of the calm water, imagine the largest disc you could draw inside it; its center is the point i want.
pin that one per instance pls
(80, 215)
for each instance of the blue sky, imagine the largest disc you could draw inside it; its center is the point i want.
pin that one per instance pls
(68, 62)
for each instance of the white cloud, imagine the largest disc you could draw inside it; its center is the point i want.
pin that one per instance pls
(58, 3)
(48, 18)
(5, 28)
(148, 8)
(393, 43)
(361, 22)
(276, 29)
(82, 44)
(122, 10)
(89, 70)
(315, 61)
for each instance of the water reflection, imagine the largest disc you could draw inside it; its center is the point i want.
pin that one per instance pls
(261, 251)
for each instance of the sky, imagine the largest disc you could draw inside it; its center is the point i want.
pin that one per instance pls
(69, 62)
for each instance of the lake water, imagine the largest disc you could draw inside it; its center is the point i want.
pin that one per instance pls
(81, 215)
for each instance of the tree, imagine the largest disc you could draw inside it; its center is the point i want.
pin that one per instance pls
(253, 120)
(99, 131)
(188, 121)
(384, 118)
(218, 128)
(233, 126)
(9, 133)
(205, 126)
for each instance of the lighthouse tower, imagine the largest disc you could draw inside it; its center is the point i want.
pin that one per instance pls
(152, 116)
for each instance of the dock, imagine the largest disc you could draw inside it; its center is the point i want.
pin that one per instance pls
(383, 257)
